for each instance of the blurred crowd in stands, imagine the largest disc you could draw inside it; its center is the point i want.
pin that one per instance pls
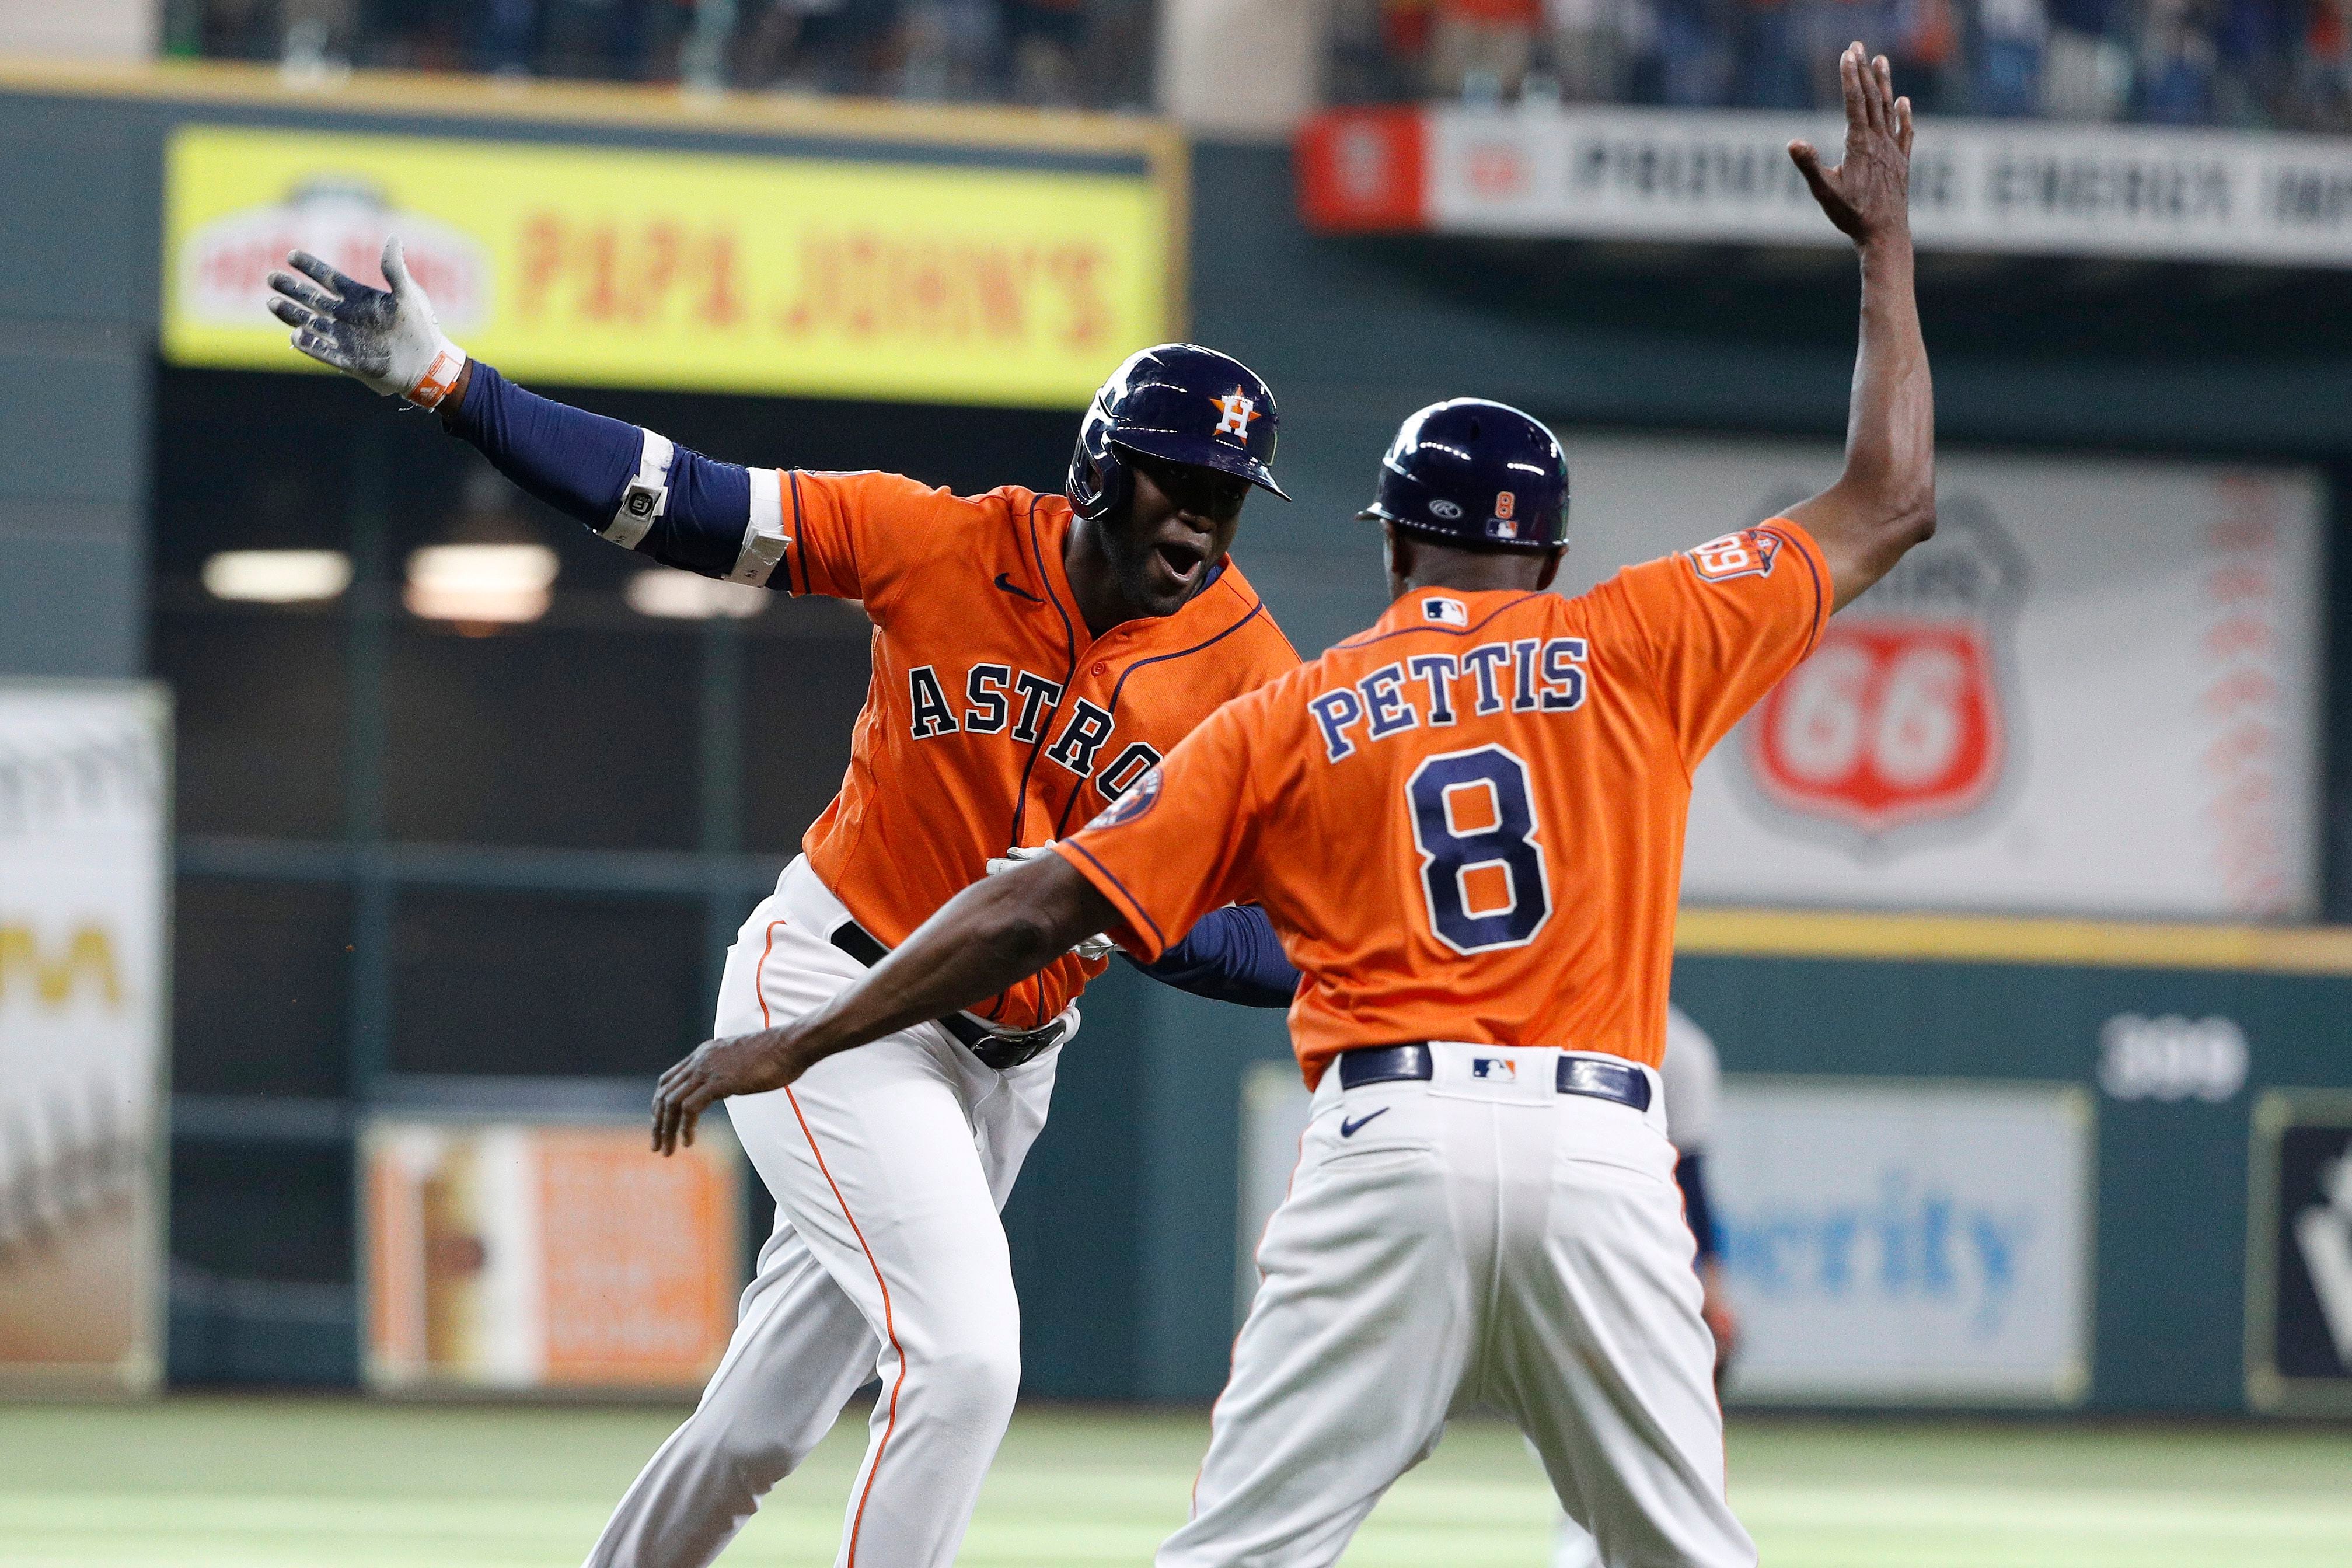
(2282, 63)
(1094, 53)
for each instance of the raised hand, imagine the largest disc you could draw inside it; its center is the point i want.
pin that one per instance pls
(390, 339)
(1868, 194)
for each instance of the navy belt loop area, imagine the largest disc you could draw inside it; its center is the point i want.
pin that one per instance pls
(1385, 1064)
(1592, 1076)
(1619, 1081)
(993, 1051)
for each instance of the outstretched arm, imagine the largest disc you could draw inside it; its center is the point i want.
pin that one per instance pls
(1885, 502)
(999, 930)
(1231, 956)
(630, 486)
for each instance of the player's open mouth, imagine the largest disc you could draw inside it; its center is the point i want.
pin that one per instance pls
(1184, 561)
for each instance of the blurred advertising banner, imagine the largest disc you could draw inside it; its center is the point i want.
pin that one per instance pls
(1900, 1240)
(521, 1254)
(2299, 1276)
(720, 272)
(1724, 177)
(1906, 1240)
(2094, 691)
(84, 834)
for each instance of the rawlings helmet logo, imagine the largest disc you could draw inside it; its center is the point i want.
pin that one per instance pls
(1236, 410)
(1444, 508)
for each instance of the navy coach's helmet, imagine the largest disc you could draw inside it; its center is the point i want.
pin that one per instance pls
(1474, 472)
(1178, 402)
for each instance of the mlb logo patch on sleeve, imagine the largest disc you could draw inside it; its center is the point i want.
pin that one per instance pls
(1748, 553)
(1445, 611)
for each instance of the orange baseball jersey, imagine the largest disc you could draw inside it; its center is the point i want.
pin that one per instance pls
(1466, 823)
(994, 717)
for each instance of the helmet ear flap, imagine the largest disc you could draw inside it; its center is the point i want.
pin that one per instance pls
(1098, 483)
(1110, 492)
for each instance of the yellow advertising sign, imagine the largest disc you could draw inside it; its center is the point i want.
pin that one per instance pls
(708, 271)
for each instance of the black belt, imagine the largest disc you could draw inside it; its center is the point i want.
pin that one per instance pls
(995, 1050)
(1619, 1081)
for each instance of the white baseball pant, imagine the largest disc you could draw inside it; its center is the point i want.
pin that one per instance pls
(888, 1165)
(1459, 1242)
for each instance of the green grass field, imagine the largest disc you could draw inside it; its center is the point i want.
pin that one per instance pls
(262, 1483)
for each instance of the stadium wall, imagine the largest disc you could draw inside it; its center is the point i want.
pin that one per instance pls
(1125, 1232)
(2172, 1265)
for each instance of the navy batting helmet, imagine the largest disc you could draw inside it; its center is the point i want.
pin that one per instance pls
(1178, 402)
(1474, 472)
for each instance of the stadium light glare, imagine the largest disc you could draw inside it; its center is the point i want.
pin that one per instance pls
(673, 595)
(277, 576)
(480, 585)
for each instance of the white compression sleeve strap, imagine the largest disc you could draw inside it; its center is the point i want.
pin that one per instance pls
(764, 539)
(646, 496)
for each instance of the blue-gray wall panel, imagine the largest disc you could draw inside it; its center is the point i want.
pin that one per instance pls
(1191, 1144)
(72, 606)
(81, 183)
(73, 425)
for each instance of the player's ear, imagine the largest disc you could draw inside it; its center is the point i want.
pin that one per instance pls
(1553, 558)
(1396, 552)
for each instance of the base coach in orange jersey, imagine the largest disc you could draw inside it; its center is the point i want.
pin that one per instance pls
(1034, 655)
(1467, 826)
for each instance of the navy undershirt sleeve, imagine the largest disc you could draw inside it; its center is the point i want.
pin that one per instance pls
(1229, 957)
(1690, 1171)
(579, 463)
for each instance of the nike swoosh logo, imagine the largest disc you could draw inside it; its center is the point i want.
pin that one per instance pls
(1349, 1129)
(1004, 581)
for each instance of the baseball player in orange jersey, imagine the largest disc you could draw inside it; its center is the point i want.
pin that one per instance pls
(1466, 824)
(1034, 656)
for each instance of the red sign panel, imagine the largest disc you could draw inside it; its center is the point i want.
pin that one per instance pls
(1890, 721)
(1362, 170)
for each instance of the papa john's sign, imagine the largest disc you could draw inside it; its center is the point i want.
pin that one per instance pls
(955, 283)
(1901, 716)
(2093, 691)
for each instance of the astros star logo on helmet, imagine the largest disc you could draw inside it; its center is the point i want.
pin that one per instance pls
(1238, 409)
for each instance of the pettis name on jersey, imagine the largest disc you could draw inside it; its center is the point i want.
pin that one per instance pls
(1529, 674)
(1466, 822)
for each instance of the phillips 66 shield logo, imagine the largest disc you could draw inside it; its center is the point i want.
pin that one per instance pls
(1901, 715)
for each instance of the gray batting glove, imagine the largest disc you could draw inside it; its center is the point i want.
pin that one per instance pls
(1016, 856)
(390, 341)
(1094, 949)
